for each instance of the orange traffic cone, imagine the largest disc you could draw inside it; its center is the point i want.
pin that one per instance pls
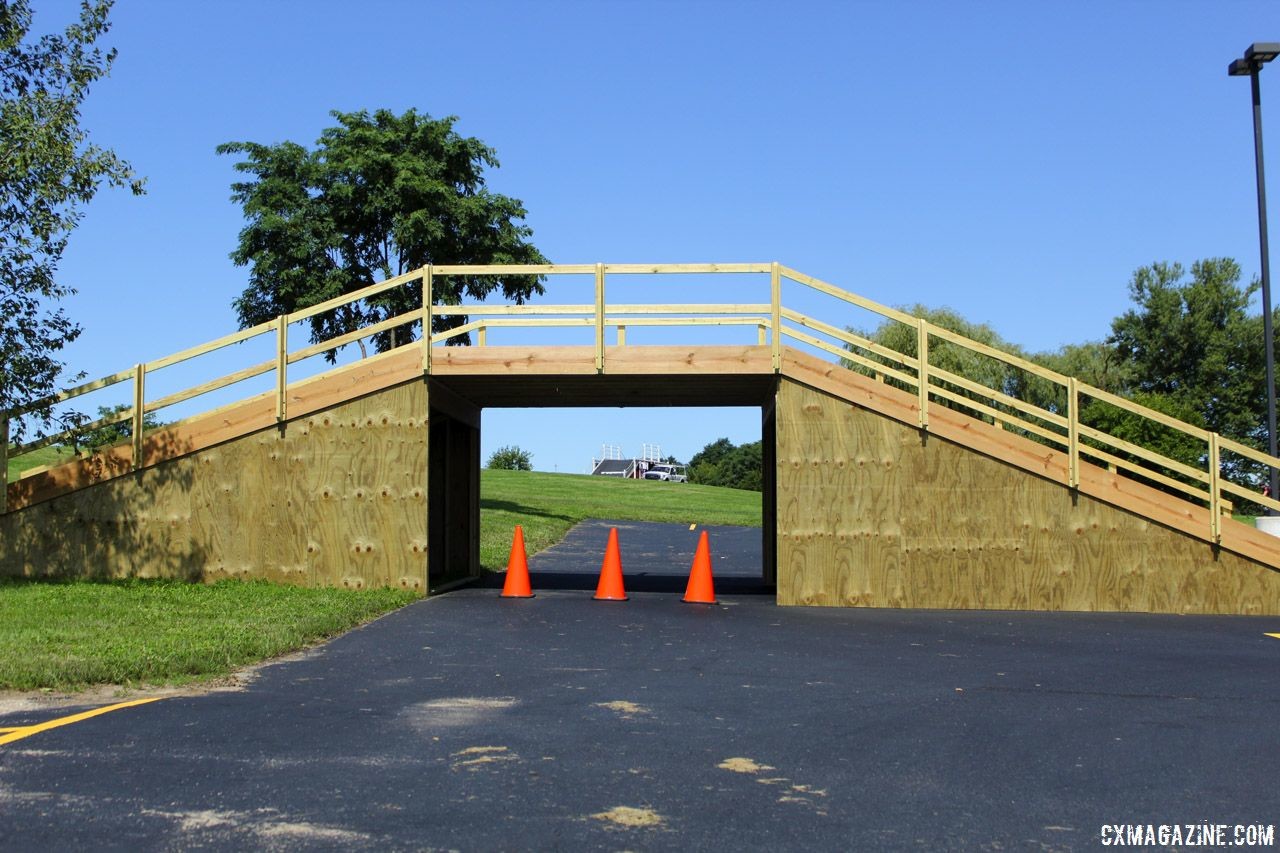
(517, 583)
(610, 586)
(701, 590)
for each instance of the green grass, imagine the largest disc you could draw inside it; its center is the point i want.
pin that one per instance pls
(65, 635)
(44, 456)
(547, 505)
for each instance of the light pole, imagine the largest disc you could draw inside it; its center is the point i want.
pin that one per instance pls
(1255, 56)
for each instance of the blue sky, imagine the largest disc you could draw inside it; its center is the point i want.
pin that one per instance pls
(1015, 161)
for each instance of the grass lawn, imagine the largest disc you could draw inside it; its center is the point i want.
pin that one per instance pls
(547, 505)
(43, 456)
(67, 635)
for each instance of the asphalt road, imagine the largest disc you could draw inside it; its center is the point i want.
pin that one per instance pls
(472, 722)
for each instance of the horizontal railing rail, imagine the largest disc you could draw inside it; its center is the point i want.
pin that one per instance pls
(1056, 424)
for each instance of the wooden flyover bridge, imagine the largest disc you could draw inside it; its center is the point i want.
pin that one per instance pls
(889, 480)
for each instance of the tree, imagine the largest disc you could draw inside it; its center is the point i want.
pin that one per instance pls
(1194, 342)
(48, 172)
(511, 459)
(113, 434)
(380, 195)
(721, 463)
(946, 356)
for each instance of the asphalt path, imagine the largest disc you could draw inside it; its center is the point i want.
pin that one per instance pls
(471, 722)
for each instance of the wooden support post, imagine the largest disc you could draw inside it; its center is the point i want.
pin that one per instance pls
(426, 319)
(481, 338)
(599, 318)
(1215, 490)
(760, 335)
(4, 462)
(139, 411)
(775, 300)
(922, 371)
(622, 336)
(1073, 433)
(282, 364)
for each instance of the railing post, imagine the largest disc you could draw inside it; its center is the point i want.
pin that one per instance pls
(1073, 432)
(4, 462)
(282, 364)
(426, 319)
(481, 338)
(622, 336)
(922, 370)
(139, 411)
(599, 318)
(775, 300)
(760, 334)
(1215, 498)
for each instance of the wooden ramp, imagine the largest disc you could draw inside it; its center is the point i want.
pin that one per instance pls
(878, 493)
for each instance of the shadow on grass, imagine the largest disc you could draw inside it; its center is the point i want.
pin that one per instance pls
(520, 509)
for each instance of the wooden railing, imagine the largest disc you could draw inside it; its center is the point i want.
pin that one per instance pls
(1058, 425)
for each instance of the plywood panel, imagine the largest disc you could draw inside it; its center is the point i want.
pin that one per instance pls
(873, 512)
(337, 497)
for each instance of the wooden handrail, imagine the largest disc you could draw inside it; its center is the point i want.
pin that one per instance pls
(929, 379)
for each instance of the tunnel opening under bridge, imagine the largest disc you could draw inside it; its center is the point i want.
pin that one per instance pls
(652, 554)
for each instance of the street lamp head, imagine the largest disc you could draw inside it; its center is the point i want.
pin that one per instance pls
(1262, 52)
(1256, 55)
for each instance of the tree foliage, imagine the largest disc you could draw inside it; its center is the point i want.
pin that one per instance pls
(48, 171)
(379, 195)
(721, 463)
(945, 356)
(113, 434)
(511, 458)
(1194, 342)
(1187, 348)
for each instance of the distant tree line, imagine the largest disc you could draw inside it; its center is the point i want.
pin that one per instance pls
(1188, 347)
(722, 463)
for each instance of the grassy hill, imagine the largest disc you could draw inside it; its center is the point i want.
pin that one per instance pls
(547, 505)
(43, 456)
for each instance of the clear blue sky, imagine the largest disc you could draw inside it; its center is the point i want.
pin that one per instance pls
(1013, 160)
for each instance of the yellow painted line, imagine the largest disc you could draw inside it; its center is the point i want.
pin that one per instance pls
(1277, 636)
(27, 731)
(691, 526)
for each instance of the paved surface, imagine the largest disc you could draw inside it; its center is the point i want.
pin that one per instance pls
(476, 723)
(655, 557)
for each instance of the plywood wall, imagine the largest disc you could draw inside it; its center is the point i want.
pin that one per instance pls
(336, 498)
(873, 513)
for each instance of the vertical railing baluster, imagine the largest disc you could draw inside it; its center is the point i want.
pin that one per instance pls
(426, 319)
(599, 318)
(282, 365)
(1215, 489)
(139, 411)
(922, 370)
(4, 462)
(1073, 432)
(775, 299)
